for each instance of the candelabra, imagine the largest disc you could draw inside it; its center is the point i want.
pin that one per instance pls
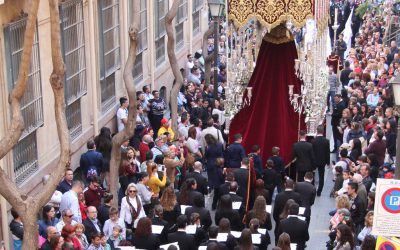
(311, 69)
(241, 63)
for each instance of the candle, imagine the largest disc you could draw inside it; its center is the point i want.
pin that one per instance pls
(336, 16)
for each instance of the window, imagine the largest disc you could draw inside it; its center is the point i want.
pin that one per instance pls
(161, 9)
(74, 120)
(109, 51)
(138, 68)
(180, 19)
(25, 158)
(160, 50)
(197, 5)
(73, 45)
(25, 152)
(142, 40)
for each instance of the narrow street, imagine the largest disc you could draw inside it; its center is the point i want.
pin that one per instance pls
(318, 229)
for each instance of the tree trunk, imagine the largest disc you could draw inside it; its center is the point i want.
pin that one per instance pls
(16, 127)
(174, 64)
(129, 130)
(31, 237)
(28, 207)
(208, 58)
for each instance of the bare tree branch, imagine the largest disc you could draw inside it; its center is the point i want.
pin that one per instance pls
(26, 206)
(174, 64)
(129, 130)
(208, 58)
(16, 127)
(57, 84)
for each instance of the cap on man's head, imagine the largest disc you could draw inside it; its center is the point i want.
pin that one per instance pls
(163, 121)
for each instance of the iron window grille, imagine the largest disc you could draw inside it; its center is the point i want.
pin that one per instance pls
(73, 46)
(109, 51)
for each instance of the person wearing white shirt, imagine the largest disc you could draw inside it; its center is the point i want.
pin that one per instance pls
(367, 230)
(113, 221)
(69, 200)
(66, 220)
(122, 113)
(131, 207)
(192, 144)
(220, 113)
(183, 126)
(147, 96)
(212, 131)
(346, 179)
(189, 64)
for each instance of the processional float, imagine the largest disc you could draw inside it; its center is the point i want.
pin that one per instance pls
(307, 20)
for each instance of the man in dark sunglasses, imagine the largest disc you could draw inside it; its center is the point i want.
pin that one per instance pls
(67, 219)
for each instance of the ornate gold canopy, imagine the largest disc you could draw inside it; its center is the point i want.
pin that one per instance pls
(270, 13)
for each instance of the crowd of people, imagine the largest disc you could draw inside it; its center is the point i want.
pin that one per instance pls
(364, 129)
(166, 176)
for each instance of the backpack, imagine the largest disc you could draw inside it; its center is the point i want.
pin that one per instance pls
(92, 171)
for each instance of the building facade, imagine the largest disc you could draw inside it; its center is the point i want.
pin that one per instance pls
(95, 47)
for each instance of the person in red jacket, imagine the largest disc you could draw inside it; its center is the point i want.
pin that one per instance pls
(144, 146)
(94, 193)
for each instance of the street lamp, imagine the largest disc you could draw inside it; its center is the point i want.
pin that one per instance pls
(216, 8)
(396, 92)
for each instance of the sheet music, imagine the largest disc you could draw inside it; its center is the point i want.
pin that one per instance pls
(222, 237)
(156, 229)
(183, 208)
(191, 229)
(301, 218)
(268, 208)
(236, 234)
(293, 246)
(302, 210)
(262, 230)
(256, 238)
(236, 205)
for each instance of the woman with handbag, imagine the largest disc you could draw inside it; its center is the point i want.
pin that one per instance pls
(131, 207)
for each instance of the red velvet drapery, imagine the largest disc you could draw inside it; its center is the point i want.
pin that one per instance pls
(270, 120)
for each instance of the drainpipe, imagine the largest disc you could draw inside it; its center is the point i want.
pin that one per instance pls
(93, 65)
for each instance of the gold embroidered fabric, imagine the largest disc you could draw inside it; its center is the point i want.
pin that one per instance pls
(278, 35)
(270, 13)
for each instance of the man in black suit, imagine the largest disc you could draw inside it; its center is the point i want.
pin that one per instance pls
(303, 152)
(280, 201)
(242, 178)
(205, 217)
(322, 156)
(344, 74)
(158, 220)
(92, 225)
(185, 241)
(236, 198)
(236, 152)
(200, 179)
(335, 121)
(224, 188)
(295, 227)
(212, 238)
(307, 193)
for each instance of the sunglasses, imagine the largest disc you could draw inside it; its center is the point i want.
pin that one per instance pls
(132, 191)
(69, 216)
